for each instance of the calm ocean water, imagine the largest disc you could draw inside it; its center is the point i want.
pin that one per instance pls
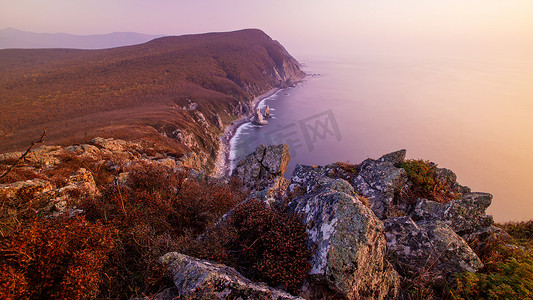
(471, 116)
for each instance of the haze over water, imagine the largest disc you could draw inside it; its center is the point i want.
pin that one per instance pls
(472, 116)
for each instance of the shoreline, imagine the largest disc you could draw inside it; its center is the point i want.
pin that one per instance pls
(222, 162)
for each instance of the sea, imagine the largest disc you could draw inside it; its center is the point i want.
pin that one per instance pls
(470, 115)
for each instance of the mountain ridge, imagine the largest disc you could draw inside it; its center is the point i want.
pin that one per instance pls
(14, 38)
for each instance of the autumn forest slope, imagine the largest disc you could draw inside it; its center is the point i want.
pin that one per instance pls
(142, 91)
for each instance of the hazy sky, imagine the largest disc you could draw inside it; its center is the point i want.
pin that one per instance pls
(304, 27)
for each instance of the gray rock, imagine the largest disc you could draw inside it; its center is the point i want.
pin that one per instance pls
(379, 180)
(428, 248)
(448, 178)
(351, 246)
(259, 169)
(307, 179)
(464, 216)
(257, 118)
(200, 279)
(394, 158)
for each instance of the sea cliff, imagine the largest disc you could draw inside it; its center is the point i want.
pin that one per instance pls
(135, 213)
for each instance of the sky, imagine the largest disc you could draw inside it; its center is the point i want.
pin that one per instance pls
(311, 27)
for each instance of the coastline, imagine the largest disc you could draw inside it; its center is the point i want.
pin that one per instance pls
(222, 162)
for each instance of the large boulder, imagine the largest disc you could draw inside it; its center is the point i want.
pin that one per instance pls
(259, 169)
(464, 216)
(349, 260)
(379, 180)
(199, 279)
(428, 248)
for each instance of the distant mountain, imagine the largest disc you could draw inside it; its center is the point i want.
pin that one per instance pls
(14, 38)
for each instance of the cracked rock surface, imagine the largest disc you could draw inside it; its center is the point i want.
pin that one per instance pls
(259, 169)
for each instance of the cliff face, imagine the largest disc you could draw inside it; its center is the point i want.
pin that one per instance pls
(177, 91)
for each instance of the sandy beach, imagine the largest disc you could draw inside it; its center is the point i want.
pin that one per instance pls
(222, 163)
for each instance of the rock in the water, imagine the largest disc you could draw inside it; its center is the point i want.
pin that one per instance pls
(429, 248)
(200, 279)
(267, 112)
(257, 118)
(464, 216)
(351, 246)
(259, 169)
(379, 180)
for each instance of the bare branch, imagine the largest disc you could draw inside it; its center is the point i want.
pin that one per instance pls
(24, 155)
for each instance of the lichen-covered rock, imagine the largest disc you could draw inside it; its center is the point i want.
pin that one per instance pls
(350, 245)
(307, 179)
(464, 216)
(199, 279)
(259, 169)
(395, 158)
(428, 248)
(379, 180)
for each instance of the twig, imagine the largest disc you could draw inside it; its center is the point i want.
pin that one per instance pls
(24, 155)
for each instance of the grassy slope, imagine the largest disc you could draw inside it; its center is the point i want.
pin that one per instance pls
(135, 90)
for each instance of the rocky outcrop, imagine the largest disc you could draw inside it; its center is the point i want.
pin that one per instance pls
(257, 118)
(349, 260)
(218, 122)
(379, 180)
(259, 169)
(428, 249)
(464, 216)
(28, 188)
(200, 279)
(430, 239)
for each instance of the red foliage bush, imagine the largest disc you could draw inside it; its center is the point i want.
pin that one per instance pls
(263, 243)
(57, 258)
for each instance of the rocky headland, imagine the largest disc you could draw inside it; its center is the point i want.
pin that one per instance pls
(159, 215)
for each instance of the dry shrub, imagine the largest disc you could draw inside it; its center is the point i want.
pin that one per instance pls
(57, 258)
(508, 266)
(153, 212)
(18, 173)
(425, 183)
(347, 167)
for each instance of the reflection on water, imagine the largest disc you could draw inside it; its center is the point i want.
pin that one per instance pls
(473, 117)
